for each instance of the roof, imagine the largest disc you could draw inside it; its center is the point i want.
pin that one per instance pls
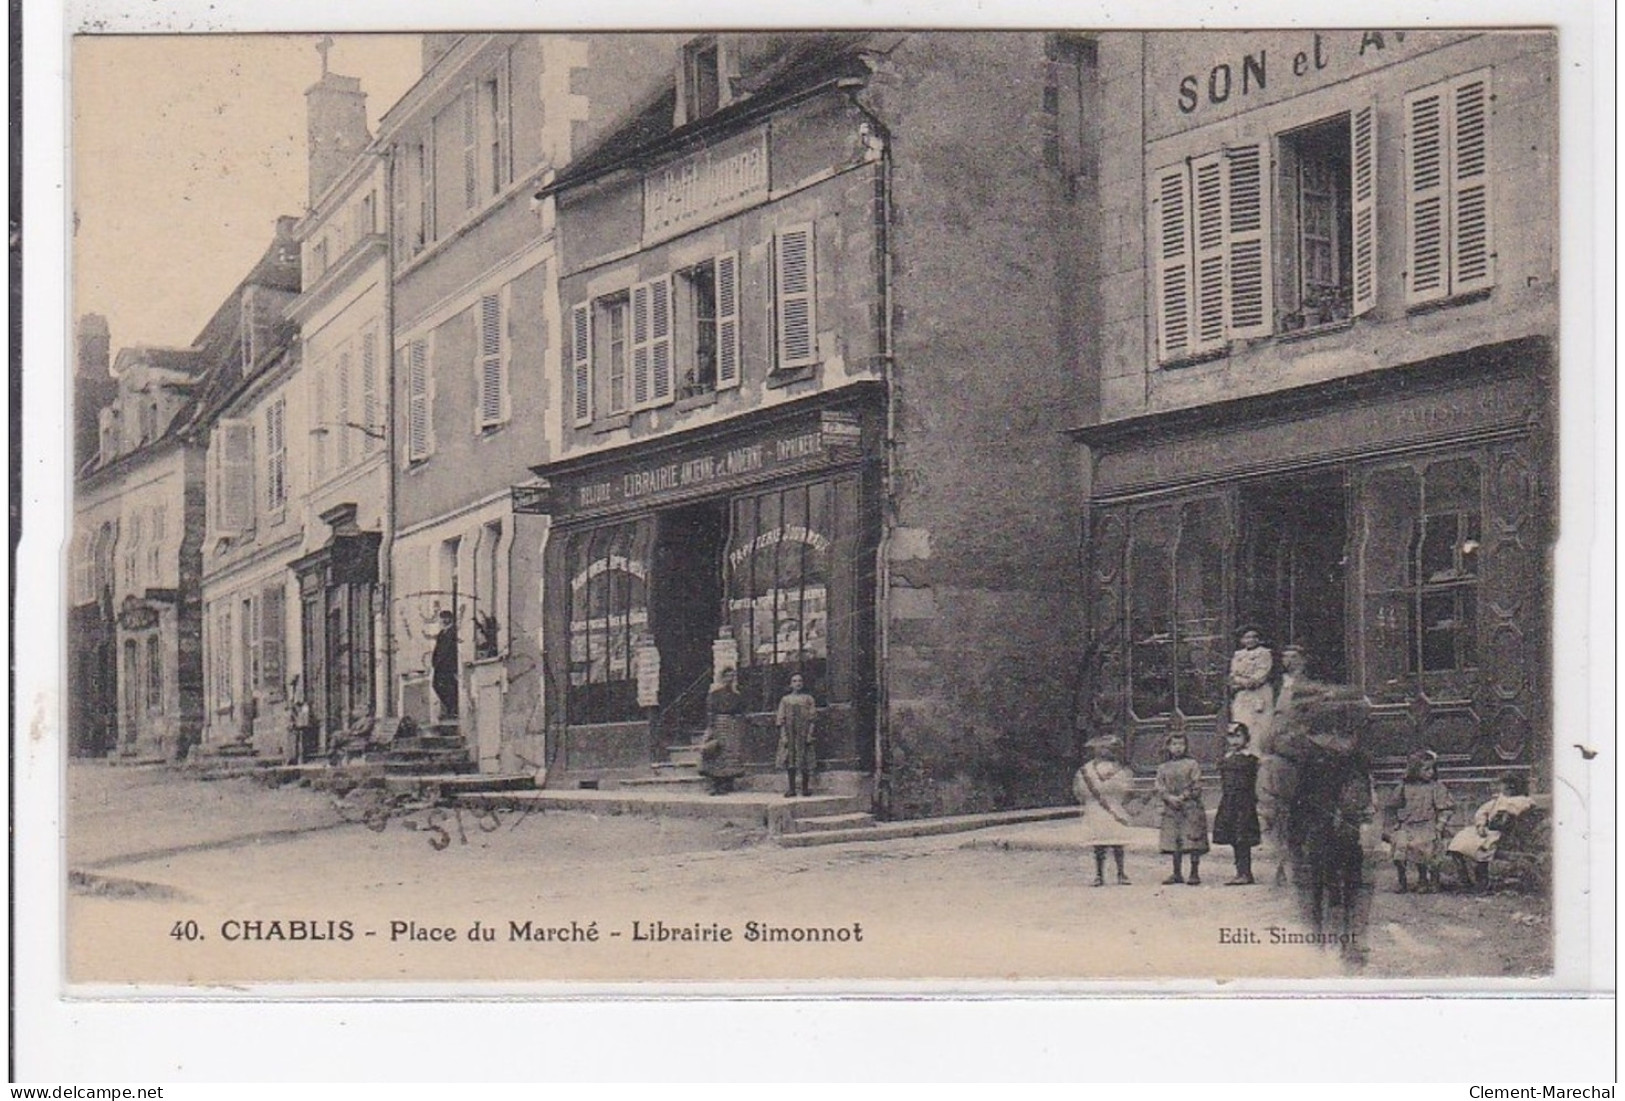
(805, 63)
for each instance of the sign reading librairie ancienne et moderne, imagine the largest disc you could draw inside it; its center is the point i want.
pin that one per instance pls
(711, 184)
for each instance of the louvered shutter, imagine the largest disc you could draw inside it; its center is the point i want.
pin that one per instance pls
(581, 364)
(369, 392)
(504, 123)
(1472, 261)
(1426, 251)
(795, 314)
(273, 640)
(341, 427)
(1363, 194)
(640, 345)
(417, 401)
(1249, 285)
(1209, 184)
(471, 159)
(661, 389)
(236, 476)
(1171, 240)
(490, 366)
(400, 174)
(727, 321)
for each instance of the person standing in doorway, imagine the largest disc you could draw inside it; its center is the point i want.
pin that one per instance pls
(1252, 695)
(444, 665)
(796, 718)
(720, 751)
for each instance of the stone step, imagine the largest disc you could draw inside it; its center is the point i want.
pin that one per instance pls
(856, 821)
(772, 812)
(682, 755)
(664, 779)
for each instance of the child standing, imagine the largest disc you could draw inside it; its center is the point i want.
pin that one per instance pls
(1184, 818)
(1236, 824)
(1418, 812)
(1474, 846)
(1102, 786)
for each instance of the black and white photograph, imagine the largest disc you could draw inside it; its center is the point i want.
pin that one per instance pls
(548, 509)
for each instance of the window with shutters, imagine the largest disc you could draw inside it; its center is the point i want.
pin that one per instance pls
(234, 503)
(370, 441)
(599, 353)
(1449, 250)
(276, 455)
(496, 170)
(706, 300)
(418, 401)
(491, 369)
(652, 367)
(469, 108)
(1210, 233)
(1326, 248)
(220, 640)
(795, 319)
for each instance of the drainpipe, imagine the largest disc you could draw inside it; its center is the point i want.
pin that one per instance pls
(386, 546)
(883, 792)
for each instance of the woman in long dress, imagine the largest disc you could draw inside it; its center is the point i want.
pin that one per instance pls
(1252, 695)
(1102, 786)
(720, 757)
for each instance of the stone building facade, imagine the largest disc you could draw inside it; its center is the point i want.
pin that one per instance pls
(815, 377)
(1328, 313)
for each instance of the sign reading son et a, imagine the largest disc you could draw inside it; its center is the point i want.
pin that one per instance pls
(709, 185)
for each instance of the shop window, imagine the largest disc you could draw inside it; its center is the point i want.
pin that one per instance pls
(1449, 251)
(608, 614)
(1420, 568)
(155, 675)
(778, 583)
(1177, 653)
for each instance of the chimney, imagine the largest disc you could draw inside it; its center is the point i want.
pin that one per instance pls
(336, 117)
(93, 385)
(436, 46)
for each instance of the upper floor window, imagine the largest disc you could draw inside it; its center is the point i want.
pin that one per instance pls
(1222, 269)
(232, 480)
(1449, 249)
(702, 79)
(276, 455)
(707, 308)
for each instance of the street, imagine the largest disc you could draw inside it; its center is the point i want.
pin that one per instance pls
(174, 880)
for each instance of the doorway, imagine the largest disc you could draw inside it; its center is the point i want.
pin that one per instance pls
(1293, 564)
(685, 611)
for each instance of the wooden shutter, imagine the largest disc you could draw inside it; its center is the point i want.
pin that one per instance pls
(1426, 251)
(341, 429)
(471, 156)
(490, 365)
(504, 123)
(727, 321)
(661, 388)
(1171, 243)
(276, 442)
(1472, 261)
(1209, 184)
(640, 345)
(236, 476)
(417, 401)
(273, 640)
(581, 364)
(400, 174)
(1363, 195)
(1249, 284)
(795, 315)
(369, 392)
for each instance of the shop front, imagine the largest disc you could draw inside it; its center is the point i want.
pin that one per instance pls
(748, 544)
(338, 593)
(1396, 528)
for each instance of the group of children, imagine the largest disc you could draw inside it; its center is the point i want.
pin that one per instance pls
(1416, 814)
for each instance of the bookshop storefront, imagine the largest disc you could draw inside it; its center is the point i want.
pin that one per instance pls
(1395, 529)
(748, 544)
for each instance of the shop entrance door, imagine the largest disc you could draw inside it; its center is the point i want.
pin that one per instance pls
(1293, 564)
(686, 611)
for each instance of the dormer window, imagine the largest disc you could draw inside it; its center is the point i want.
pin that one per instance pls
(702, 85)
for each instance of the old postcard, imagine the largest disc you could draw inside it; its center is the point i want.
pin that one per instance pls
(843, 510)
